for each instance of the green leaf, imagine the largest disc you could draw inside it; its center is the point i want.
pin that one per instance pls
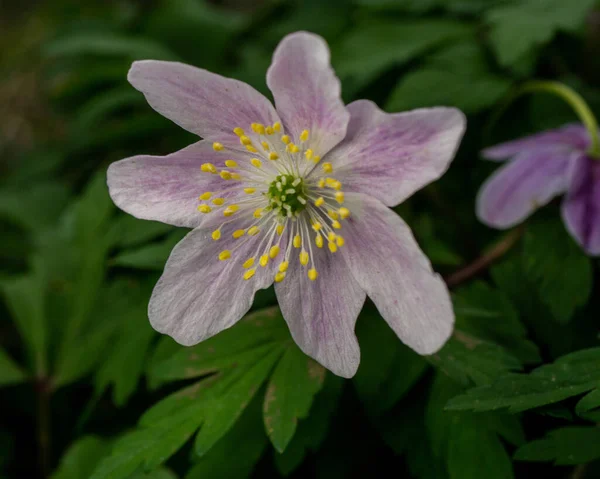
(565, 446)
(457, 76)
(557, 267)
(569, 376)
(149, 257)
(130, 231)
(365, 52)
(81, 458)
(292, 387)
(388, 368)
(10, 372)
(516, 30)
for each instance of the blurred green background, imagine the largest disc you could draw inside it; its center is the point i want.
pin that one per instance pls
(79, 363)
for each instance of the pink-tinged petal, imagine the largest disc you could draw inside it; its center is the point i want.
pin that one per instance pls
(307, 92)
(166, 188)
(388, 264)
(199, 295)
(321, 314)
(581, 208)
(200, 101)
(569, 137)
(520, 187)
(391, 156)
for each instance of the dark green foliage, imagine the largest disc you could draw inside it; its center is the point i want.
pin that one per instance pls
(90, 390)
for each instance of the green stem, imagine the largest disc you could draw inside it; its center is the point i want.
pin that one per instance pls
(573, 98)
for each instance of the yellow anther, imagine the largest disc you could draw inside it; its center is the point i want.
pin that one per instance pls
(258, 212)
(340, 241)
(230, 210)
(217, 146)
(308, 154)
(329, 181)
(327, 167)
(253, 230)
(344, 212)
(244, 140)
(319, 202)
(249, 191)
(297, 241)
(205, 196)
(274, 251)
(304, 135)
(280, 229)
(216, 234)
(230, 164)
(336, 185)
(265, 145)
(248, 263)
(223, 255)
(321, 183)
(285, 139)
(319, 241)
(283, 266)
(331, 236)
(293, 148)
(264, 260)
(259, 128)
(226, 175)
(277, 127)
(236, 176)
(304, 258)
(208, 168)
(312, 274)
(316, 226)
(273, 156)
(332, 246)
(204, 209)
(256, 162)
(238, 131)
(248, 274)
(269, 130)
(316, 158)
(279, 277)
(333, 214)
(218, 201)
(336, 225)
(238, 233)
(251, 149)
(339, 196)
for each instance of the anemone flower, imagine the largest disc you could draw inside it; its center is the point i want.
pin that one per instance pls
(539, 168)
(296, 195)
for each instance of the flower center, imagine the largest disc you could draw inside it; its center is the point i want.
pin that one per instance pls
(279, 190)
(287, 194)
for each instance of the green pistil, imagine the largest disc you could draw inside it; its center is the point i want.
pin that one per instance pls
(287, 193)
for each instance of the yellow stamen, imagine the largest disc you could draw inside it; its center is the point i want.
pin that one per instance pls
(331, 236)
(204, 209)
(265, 145)
(285, 139)
(273, 156)
(244, 140)
(333, 214)
(249, 191)
(258, 212)
(238, 131)
(303, 258)
(340, 241)
(327, 167)
(205, 196)
(230, 210)
(332, 247)
(319, 241)
(293, 148)
(251, 149)
(248, 263)
(316, 158)
(236, 176)
(312, 274)
(218, 201)
(260, 129)
(248, 274)
(230, 164)
(253, 230)
(297, 241)
(339, 196)
(321, 183)
(226, 175)
(280, 229)
(264, 260)
(316, 226)
(283, 266)
(274, 251)
(336, 224)
(336, 185)
(304, 135)
(223, 255)
(277, 127)
(344, 212)
(256, 162)
(319, 202)
(216, 234)
(238, 233)
(217, 146)
(279, 277)
(208, 168)
(308, 154)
